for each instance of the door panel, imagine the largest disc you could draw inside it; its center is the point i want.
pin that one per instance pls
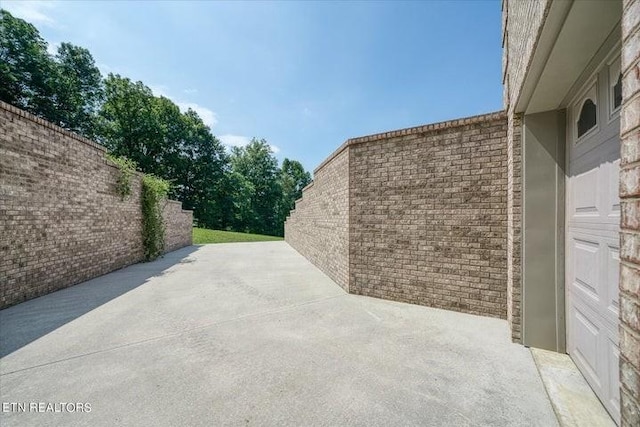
(592, 250)
(585, 195)
(613, 272)
(613, 204)
(586, 335)
(585, 267)
(613, 355)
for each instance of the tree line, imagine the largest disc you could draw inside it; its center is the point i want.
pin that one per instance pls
(241, 190)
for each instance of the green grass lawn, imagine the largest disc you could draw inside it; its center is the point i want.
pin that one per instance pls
(202, 235)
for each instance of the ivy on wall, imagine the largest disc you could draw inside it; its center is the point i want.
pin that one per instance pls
(127, 169)
(154, 193)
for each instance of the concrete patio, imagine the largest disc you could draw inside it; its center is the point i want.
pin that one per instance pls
(253, 334)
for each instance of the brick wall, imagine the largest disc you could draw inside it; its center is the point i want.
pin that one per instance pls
(428, 215)
(630, 221)
(522, 23)
(178, 226)
(419, 215)
(514, 225)
(318, 227)
(61, 221)
(521, 27)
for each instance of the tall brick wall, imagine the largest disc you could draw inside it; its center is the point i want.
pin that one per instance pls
(61, 220)
(522, 22)
(521, 27)
(428, 215)
(318, 227)
(630, 220)
(418, 214)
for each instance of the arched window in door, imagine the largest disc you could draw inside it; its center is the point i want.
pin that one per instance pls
(615, 85)
(587, 119)
(617, 93)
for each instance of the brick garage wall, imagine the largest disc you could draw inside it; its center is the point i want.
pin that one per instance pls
(61, 220)
(522, 22)
(630, 220)
(514, 225)
(521, 27)
(318, 227)
(428, 215)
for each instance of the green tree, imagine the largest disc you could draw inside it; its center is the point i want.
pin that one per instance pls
(27, 72)
(244, 191)
(66, 90)
(293, 178)
(239, 192)
(78, 90)
(259, 167)
(198, 167)
(130, 125)
(168, 142)
(173, 145)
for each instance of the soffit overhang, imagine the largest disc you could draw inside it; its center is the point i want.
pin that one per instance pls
(572, 34)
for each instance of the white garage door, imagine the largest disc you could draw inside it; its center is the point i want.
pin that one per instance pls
(592, 238)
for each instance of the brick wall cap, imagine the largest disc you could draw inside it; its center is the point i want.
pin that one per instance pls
(464, 121)
(42, 122)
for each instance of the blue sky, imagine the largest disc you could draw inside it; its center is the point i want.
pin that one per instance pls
(305, 76)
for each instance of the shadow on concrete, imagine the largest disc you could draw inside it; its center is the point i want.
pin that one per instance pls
(30, 320)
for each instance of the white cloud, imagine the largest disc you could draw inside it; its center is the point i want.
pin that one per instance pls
(104, 69)
(208, 117)
(241, 141)
(52, 48)
(34, 12)
(190, 91)
(159, 90)
(234, 140)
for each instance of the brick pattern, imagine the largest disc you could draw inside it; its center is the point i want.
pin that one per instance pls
(318, 227)
(514, 225)
(522, 24)
(61, 221)
(416, 215)
(428, 215)
(630, 220)
(178, 226)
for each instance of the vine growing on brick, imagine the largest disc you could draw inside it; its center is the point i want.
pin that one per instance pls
(154, 192)
(127, 168)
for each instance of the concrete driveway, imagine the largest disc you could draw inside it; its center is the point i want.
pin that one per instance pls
(253, 334)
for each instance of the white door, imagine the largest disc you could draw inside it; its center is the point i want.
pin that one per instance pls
(592, 234)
